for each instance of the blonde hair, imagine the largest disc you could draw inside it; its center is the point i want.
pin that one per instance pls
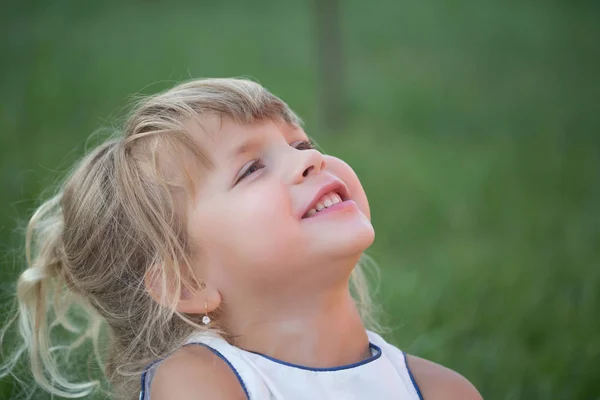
(114, 220)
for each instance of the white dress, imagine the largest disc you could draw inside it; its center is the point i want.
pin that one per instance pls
(385, 375)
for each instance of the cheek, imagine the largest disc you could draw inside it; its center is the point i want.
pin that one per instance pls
(244, 228)
(259, 205)
(343, 171)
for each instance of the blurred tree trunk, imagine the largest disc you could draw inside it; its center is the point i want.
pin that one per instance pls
(330, 64)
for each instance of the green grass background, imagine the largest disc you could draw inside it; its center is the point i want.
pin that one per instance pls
(473, 125)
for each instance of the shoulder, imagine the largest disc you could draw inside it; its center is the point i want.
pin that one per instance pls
(192, 370)
(440, 383)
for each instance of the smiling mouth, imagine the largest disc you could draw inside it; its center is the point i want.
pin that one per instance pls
(324, 202)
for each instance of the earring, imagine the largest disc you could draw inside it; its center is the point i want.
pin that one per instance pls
(206, 318)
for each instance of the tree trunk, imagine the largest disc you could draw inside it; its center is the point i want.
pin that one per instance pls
(330, 64)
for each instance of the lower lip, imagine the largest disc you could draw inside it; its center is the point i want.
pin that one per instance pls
(345, 205)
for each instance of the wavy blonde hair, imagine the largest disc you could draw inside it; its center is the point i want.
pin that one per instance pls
(113, 220)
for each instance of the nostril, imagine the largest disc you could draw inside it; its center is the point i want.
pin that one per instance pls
(307, 171)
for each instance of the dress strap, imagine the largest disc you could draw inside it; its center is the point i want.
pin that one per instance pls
(398, 359)
(252, 384)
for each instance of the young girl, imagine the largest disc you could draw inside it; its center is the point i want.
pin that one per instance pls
(219, 249)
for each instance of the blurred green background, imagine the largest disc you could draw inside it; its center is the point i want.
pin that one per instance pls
(474, 126)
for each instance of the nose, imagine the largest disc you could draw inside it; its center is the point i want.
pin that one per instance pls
(309, 162)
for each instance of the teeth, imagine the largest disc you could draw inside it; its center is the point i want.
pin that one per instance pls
(327, 200)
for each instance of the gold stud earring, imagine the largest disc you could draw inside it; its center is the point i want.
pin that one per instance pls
(206, 318)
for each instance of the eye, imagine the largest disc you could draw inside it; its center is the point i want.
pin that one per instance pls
(251, 168)
(305, 145)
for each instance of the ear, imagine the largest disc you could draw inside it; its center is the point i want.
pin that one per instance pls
(191, 300)
(198, 301)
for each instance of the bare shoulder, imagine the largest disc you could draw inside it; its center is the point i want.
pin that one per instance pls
(194, 370)
(440, 383)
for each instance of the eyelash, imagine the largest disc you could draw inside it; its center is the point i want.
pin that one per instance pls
(304, 145)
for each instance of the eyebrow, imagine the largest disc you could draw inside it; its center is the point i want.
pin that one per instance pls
(246, 147)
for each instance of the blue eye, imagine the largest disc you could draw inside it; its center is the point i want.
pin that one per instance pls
(255, 166)
(258, 164)
(305, 145)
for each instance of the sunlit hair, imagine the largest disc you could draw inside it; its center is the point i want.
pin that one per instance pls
(113, 222)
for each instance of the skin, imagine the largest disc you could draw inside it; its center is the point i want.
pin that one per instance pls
(276, 277)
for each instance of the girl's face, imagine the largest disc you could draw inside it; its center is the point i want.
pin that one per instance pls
(250, 220)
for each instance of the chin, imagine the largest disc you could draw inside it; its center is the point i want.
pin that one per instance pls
(348, 243)
(365, 239)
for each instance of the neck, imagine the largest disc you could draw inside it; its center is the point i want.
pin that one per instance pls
(314, 331)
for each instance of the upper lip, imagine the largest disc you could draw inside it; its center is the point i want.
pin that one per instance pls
(335, 185)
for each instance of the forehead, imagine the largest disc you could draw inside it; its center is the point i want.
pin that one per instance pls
(222, 139)
(217, 144)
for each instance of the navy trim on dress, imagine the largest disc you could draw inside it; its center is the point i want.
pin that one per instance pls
(349, 366)
(214, 351)
(222, 357)
(143, 378)
(412, 378)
